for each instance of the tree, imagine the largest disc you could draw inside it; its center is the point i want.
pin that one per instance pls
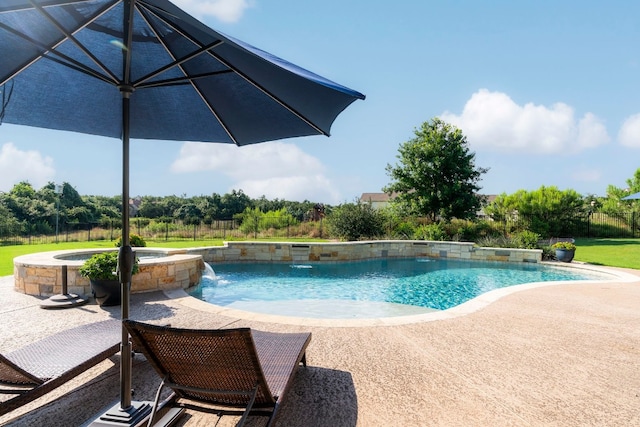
(546, 211)
(437, 176)
(613, 205)
(354, 221)
(234, 203)
(189, 213)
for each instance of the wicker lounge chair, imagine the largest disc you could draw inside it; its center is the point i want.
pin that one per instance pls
(231, 369)
(42, 366)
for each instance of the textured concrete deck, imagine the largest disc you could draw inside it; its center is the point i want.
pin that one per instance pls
(563, 355)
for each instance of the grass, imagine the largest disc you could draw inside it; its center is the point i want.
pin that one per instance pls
(623, 253)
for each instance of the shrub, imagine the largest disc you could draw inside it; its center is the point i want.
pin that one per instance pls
(548, 254)
(430, 232)
(495, 242)
(354, 221)
(103, 266)
(564, 245)
(525, 240)
(135, 240)
(404, 230)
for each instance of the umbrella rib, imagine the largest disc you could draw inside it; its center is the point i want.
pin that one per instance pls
(69, 36)
(239, 73)
(177, 62)
(186, 80)
(50, 3)
(207, 103)
(235, 70)
(269, 94)
(65, 60)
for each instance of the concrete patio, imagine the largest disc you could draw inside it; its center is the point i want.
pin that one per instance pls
(561, 355)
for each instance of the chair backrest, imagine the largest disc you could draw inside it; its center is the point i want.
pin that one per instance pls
(224, 362)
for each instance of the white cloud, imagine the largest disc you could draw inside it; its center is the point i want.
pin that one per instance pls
(493, 120)
(273, 169)
(224, 10)
(586, 175)
(629, 134)
(17, 166)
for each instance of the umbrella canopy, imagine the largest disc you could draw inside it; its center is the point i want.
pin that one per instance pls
(146, 69)
(635, 196)
(65, 64)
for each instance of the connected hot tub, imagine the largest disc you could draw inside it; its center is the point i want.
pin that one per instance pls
(160, 269)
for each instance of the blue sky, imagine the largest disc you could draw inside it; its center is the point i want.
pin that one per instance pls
(547, 93)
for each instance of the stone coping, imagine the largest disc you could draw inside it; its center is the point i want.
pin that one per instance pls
(251, 251)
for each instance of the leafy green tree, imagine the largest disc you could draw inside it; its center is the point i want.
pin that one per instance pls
(250, 220)
(613, 205)
(355, 221)
(9, 225)
(546, 211)
(436, 175)
(234, 203)
(152, 207)
(189, 213)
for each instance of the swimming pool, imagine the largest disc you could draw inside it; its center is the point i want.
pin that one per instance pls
(374, 288)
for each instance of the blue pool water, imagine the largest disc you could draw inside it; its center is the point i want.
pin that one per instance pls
(376, 287)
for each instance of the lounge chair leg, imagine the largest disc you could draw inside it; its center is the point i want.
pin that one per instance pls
(154, 408)
(245, 415)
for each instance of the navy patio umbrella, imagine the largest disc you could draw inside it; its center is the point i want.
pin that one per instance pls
(146, 69)
(634, 196)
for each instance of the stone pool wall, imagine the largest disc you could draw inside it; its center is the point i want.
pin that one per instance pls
(41, 274)
(318, 252)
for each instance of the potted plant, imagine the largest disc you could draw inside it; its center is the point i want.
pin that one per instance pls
(564, 251)
(100, 269)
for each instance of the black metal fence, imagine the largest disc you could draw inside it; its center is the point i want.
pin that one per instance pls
(252, 228)
(595, 225)
(591, 225)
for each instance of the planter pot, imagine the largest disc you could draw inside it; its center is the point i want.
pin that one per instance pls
(106, 292)
(565, 255)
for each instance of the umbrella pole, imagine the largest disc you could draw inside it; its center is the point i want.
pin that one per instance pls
(125, 261)
(126, 413)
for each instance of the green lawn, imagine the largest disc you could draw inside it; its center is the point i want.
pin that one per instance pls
(608, 252)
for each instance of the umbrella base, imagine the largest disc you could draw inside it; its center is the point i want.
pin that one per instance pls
(63, 301)
(136, 415)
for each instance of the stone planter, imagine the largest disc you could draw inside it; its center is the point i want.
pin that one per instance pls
(106, 292)
(565, 255)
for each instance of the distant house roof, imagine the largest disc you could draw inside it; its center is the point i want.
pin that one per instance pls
(489, 198)
(379, 200)
(376, 197)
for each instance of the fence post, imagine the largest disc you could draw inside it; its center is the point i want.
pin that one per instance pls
(255, 232)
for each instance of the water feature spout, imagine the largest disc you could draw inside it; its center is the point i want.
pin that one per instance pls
(208, 272)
